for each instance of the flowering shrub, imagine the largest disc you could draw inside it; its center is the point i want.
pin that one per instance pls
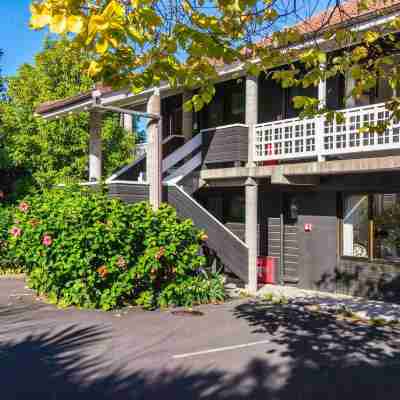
(85, 249)
(8, 261)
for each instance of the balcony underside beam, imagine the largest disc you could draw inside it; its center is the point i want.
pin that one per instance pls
(294, 173)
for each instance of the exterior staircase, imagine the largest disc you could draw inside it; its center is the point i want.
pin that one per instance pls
(180, 167)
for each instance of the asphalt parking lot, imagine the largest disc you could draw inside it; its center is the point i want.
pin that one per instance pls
(239, 350)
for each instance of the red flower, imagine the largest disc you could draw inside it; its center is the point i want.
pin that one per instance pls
(47, 240)
(16, 232)
(2, 195)
(160, 253)
(24, 207)
(103, 272)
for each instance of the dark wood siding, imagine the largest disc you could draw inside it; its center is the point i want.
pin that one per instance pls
(129, 193)
(225, 145)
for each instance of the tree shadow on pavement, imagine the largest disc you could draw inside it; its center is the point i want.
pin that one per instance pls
(328, 358)
(323, 358)
(54, 361)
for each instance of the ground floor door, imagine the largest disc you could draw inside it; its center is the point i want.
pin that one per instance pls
(290, 253)
(283, 237)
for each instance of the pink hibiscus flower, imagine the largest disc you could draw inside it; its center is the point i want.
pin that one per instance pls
(47, 240)
(24, 207)
(16, 232)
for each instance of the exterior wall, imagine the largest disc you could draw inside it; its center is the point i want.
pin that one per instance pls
(312, 255)
(225, 145)
(318, 248)
(319, 266)
(377, 280)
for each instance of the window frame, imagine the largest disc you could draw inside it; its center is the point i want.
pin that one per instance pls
(371, 229)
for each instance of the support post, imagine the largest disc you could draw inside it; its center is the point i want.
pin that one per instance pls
(349, 86)
(251, 113)
(127, 122)
(95, 154)
(187, 118)
(251, 231)
(321, 119)
(154, 151)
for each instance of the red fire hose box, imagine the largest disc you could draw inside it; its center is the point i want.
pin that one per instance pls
(267, 270)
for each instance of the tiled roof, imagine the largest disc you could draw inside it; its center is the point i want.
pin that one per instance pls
(346, 11)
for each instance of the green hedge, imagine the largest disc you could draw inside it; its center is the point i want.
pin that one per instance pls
(83, 248)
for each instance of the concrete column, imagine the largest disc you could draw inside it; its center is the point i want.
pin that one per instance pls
(251, 112)
(127, 122)
(251, 230)
(321, 119)
(154, 152)
(187, 118)
(95, 156)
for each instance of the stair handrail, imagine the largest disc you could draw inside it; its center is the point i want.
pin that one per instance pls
(181, 190)
(182, 152)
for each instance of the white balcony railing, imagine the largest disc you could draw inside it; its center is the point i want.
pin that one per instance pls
(309, 138)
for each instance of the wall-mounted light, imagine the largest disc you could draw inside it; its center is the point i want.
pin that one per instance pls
(293, 209)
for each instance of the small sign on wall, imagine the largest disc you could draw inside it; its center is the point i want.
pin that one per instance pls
(308, 227)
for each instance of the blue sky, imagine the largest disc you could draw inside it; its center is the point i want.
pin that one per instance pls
(18, 42)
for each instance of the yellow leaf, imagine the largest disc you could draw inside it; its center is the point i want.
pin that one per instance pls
(97, 23)
(113, 8)
(371, 36)
(94, 68)
(114, 42)
(58, 24)
(136, 35)
(137, 89)
(188, 106)
(40, 16)
(102, 46)
(75, 23)
(39, 21)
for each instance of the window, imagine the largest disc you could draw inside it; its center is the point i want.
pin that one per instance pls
(237, 103)
(387, 226)
(355, 226)
(371, 226)
(227, 106)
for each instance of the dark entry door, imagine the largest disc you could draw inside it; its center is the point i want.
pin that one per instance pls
(290, 266)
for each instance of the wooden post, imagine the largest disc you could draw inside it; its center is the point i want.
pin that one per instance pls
(187, 118)
(95, 154)
(251, 231)
(154, 152)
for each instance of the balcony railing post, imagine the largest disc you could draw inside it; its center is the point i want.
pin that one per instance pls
(320, 121)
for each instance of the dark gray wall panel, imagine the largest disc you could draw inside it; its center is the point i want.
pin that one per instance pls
(318, 248)
(129, 193)
(225, 145)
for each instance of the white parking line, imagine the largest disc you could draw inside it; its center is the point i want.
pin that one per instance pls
(217, 350)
